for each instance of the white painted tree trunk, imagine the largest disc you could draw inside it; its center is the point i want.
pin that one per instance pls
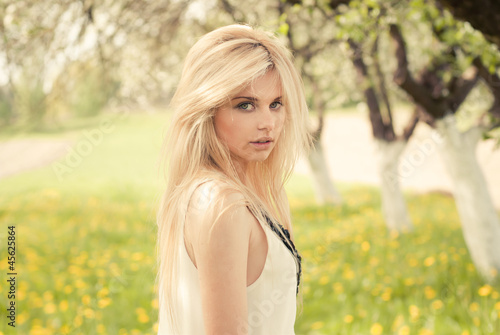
(480, 221)
(326, 193)
(393, 202)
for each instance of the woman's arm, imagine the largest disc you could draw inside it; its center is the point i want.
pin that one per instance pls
(221, 252)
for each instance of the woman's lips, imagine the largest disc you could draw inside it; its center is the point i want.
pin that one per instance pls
(262, 145)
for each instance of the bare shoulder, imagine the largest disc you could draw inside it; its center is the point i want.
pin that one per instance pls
(216, 211)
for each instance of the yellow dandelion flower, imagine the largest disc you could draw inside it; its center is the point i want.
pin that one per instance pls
(137, 256)
(89, 313)
(74, 270)
(386, 296)
(86, 299)
(376, 329)
(324, 280)
(497, 306)
(348, 318)
(37, 302)
(429, 261)
(365, 246)
(338, 288)
(80, 283)
(102, 303)
(101, 329)
(474, 307)
(425, 331)
(21, 295)
(140, 310)
(348, 274)
(465, 332)
(429, 292)
(413, 262)
(39, 330)
(409, 281)
(22, 317)
(154, 303)
(103, 292)
(405, 330)
(101, 273)
(317, 325)
(437, 304)
(143, 318)
(63, 306)
(65, 329)
(476, 321)
(485, 290)
(155, 327)
(50, 308)
(68, 289)
(77, 321)
(414, 312)
(398, 321)
(48, 296)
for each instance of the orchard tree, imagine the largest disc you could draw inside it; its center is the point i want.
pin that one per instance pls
(440, 89)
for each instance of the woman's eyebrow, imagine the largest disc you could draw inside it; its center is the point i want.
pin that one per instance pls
(253, 98)
(248, 98)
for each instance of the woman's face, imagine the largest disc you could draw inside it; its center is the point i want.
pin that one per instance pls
(251, 122)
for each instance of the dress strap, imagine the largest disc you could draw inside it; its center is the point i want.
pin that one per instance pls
(290, 245)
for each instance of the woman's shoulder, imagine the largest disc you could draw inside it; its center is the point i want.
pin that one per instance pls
(210, 193)
(217, 203)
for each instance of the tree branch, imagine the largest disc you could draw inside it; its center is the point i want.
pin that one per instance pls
(493, 82)
(403, 78)
(379, 129)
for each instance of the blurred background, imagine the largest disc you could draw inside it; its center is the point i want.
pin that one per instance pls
(396, 211)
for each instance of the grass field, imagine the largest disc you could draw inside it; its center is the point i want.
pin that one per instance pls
(86, 234)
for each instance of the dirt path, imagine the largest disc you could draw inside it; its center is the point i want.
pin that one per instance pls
(17, 156)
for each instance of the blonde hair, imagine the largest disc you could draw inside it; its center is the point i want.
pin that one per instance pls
(219, 65)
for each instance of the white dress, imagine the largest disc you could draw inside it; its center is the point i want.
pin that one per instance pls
(271, 298)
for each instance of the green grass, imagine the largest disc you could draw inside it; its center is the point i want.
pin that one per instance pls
(86, 261)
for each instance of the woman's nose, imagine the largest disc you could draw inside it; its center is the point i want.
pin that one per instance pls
(266, 119)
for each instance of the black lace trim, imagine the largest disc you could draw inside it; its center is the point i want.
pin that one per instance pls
(292, 249)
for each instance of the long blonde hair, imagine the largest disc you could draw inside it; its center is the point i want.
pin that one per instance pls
(218, 66)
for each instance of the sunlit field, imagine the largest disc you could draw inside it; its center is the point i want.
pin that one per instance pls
(86, 251)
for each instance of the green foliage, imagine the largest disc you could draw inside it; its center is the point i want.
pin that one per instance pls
(91, 90)
(29, 103)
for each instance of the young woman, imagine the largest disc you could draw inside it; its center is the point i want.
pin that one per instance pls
(227, 261)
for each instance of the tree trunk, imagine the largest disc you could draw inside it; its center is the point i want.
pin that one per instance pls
(325, 191)
(389, 147)
(393, 202)
(480, 222)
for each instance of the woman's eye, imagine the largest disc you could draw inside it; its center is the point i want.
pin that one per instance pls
(275, 105)
(245, 106)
